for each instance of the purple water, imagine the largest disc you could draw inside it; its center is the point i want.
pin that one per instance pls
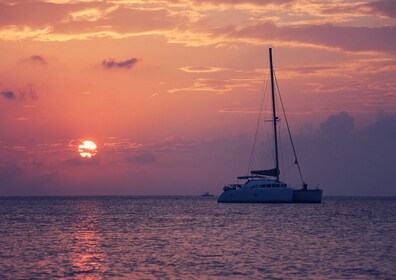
(195, 237)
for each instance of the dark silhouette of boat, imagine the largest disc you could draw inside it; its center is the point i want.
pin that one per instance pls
(264, 186)
(207, 194)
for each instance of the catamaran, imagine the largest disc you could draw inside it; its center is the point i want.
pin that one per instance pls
(265, 186)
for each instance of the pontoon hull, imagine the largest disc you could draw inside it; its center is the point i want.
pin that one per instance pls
(307, 196)
(257, 195)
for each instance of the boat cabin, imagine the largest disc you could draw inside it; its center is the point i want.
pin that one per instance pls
(264, 183)
(255, 182)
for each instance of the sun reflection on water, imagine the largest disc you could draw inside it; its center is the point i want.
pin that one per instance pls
(190, 238)
(87, 256)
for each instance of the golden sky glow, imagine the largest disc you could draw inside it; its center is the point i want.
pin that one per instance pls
(161, 84)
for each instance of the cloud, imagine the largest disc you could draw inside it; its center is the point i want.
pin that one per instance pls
(112, 63)
(22, 119)
(244, 2)
(79, 161)
(383, 7)
(84, 20)
(349, 161)
(338, 155)
(20, 95)
(30, 13)
(128, 19)
(179, 24)
(217, 86)
(347, 38)
(37, 59)
(340, 124)
(9, 95)
(122, 146)
(202, 69)
(309, 69)
(19, 180)
(142, 158)
(10, 172)
(30, 93)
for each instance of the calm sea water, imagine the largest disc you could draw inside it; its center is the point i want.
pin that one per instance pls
(195, 237)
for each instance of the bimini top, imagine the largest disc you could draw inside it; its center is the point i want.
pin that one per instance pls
(269, 172)
(251, 177)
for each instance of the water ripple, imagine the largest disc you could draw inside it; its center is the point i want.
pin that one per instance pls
(186, 237)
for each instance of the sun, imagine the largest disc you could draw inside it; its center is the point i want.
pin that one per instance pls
(87, 149)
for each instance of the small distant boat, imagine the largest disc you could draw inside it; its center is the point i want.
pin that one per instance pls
(264, 186)
(207, 195)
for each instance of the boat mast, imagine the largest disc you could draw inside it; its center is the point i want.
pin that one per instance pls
(275, 118)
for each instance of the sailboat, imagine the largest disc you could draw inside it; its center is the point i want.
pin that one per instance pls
(265, 186)
(207, 194)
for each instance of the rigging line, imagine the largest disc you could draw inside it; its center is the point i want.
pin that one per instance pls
(279, 123)
(288, 130)
(264, 89)
(266, 129)
(282, 167)
(288, 169)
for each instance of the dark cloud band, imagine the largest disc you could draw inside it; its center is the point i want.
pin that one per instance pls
(126, 64)
(10, 95)
(37, 59)
(20, 95)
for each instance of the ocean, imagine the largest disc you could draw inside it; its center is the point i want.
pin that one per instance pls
(196, 238)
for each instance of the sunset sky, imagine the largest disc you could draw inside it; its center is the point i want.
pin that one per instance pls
(170, 91)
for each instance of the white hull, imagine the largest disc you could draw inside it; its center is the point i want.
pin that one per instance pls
(257, 195)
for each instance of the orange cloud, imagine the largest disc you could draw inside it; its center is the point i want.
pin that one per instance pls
(348, 38)
(202, 69)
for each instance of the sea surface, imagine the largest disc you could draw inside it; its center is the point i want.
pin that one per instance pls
(196, 238)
